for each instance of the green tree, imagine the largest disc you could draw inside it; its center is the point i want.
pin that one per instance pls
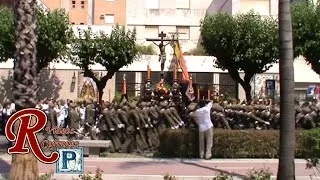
(54, 36)
(110, 51)
(52, 42)
(245, 42)
(6, 33)
(306, 32)
(286, 168)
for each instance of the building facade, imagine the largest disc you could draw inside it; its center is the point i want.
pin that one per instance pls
(150, 17)
(90, 12)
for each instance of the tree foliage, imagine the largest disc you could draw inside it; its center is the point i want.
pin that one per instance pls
(54, 35)
(110, 51)
(7, 34)
(306, 32)
(245, 42)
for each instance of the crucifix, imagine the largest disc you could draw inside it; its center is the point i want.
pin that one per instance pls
(161, 45)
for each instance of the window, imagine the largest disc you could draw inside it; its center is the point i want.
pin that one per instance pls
(183, 4)
(183, 32)
(102, 17)
(109, 18)
(73, 23)
(73, 4)
(81, 23)
(151, 4)
(82, 4)
(151, 31)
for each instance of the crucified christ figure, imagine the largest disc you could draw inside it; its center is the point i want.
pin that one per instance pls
(162, 55)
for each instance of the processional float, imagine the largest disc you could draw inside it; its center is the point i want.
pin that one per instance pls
(161, 92)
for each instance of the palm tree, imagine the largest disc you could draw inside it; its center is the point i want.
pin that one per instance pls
(25, 82)
(286, 169)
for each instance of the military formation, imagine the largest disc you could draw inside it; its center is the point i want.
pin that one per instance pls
(135, 126)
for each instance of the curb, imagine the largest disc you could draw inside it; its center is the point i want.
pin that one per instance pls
(147, 177)
(8, 157)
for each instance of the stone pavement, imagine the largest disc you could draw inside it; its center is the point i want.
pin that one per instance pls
(154, 169)
(139, 168)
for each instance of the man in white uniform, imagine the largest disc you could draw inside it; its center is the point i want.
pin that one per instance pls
(203, 119)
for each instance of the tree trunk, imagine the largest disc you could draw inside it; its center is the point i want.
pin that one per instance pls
(247, 90)
(100, 90)
(286, 168)
(245, 82)
(25, 84)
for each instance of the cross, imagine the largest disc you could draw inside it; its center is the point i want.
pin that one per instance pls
(161, 46)
(162, 35)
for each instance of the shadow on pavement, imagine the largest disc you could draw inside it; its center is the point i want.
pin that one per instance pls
(217, 170)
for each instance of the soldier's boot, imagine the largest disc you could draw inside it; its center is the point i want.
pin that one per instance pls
(143, 138)
(154, 138)
(139, 142)
(116, 142)
(127, 145)
(114, 147)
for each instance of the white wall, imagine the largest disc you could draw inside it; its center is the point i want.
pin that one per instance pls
(167, 17)
(302, 71)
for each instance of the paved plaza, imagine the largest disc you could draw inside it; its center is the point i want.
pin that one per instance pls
(134, 167)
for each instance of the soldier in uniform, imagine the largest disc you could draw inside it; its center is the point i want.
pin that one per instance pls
(52, 121)
(90, 115)
(74, 121)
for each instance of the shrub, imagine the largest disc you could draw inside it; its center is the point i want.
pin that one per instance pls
(311, 144)
(169, 177)
(88, 176)
(261, 174)
(46, 176)
(183, 143)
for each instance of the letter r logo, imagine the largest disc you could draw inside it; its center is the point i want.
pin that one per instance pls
(70, 161)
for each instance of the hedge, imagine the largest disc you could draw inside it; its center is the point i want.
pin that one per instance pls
(183, 143)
